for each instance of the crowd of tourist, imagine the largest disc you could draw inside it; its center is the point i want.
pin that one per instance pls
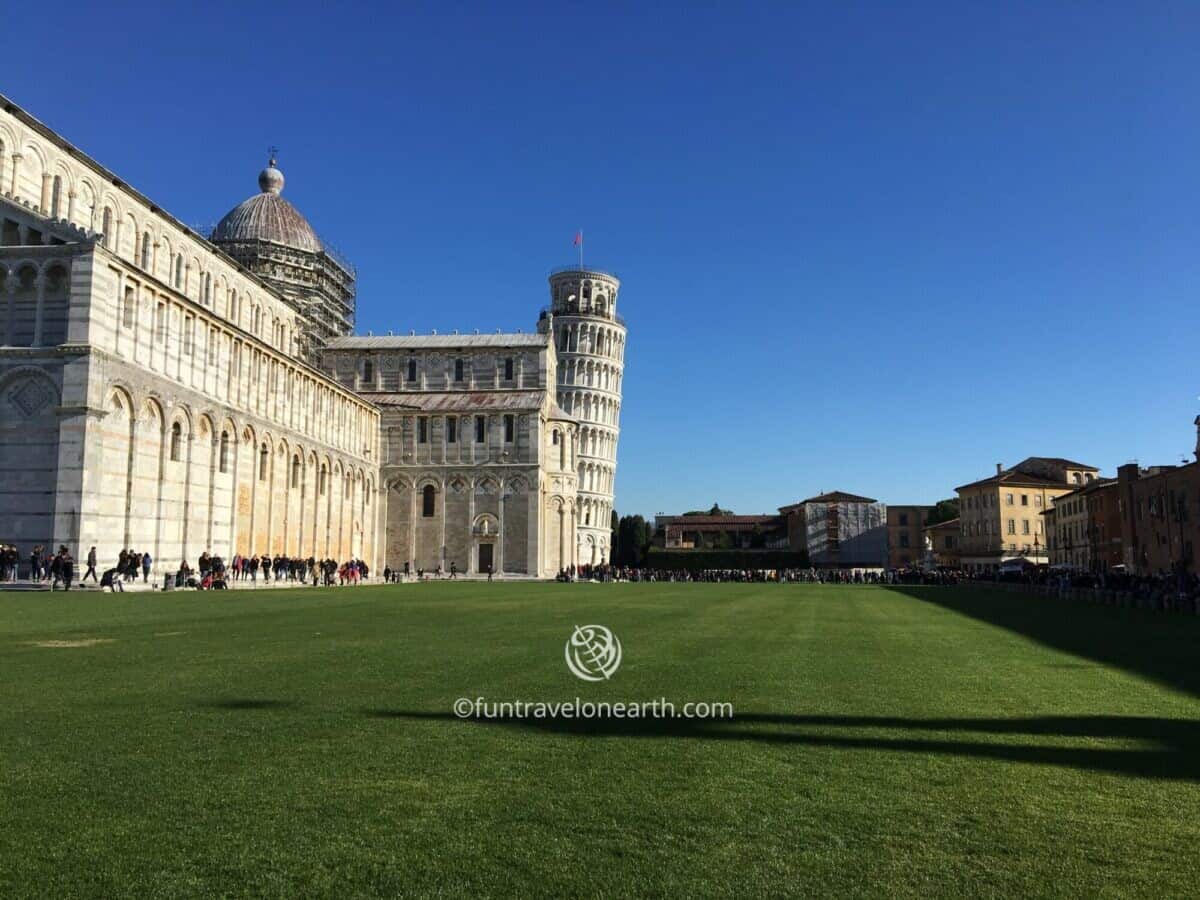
(1178, 591)
(779, 576)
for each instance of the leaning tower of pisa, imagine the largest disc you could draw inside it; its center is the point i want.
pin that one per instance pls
(590, 338)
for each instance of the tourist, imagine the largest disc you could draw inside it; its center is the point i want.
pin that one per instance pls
(145, 567)
(111, 580)
(91, 567)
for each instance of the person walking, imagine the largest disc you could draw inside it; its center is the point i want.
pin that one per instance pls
(489, 571)
(66, 567)
(146, 561)
(91, 567)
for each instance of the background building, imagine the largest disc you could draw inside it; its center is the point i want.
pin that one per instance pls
(721, 532)
(906, 536)
(1160, 518)
(944, 540)
(1001, 516)
(839, 530)
(1083, 527)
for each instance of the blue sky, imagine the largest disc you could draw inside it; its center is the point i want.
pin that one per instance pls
(862, 247)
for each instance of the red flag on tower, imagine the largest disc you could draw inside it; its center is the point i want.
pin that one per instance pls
(578, 239)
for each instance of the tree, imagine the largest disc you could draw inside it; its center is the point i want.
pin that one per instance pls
(634, 535)
(614, 538)
(943, 511)
(715, 511)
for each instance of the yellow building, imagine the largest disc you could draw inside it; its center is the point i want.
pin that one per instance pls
(906, 542)
(1001, 516)
(944, 539)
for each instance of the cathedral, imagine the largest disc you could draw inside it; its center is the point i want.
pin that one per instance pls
(177, 392)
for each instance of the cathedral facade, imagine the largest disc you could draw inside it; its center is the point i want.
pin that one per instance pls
(176, 392)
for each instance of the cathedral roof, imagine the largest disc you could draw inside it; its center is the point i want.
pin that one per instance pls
(267, 217)
(421, 341)
(462, 401)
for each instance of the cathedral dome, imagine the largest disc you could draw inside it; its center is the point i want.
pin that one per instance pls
(267, 217)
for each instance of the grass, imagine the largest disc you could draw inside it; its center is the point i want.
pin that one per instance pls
(911, 742)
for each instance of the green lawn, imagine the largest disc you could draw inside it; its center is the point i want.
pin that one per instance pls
(301, 743)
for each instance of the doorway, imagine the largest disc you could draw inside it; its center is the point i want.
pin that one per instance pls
(485, 558)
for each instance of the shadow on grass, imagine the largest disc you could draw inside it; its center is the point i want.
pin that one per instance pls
(1161, 646)
(1176, 754)
(245, 704)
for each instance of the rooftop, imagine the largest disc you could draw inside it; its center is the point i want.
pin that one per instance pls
(833, 497)
(462, 401)
(267, 217)
(420, 341)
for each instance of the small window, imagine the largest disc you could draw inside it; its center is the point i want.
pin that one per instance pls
(176, 435)
(1012, 526)
(223, 454)
(422, 430)
(368, 373)
(458, 370)
(428, 496)
(1024, 499)
(904, 521)
(452, 431)
(904, 540)
(554, 437)
(480, 429)
(508, 369)
(1008, 499)
(295, 471)
(263, 458)
(412, 370)
(146, 251)
(510, 427)
(323, 480)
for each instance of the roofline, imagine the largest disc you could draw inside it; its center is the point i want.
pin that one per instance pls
(12, 107)
(1019, 479)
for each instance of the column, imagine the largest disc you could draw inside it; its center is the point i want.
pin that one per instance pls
(40, 283)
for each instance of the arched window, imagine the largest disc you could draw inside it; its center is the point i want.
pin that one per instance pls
(428, 495)
(207, 288)
(106, 227)
(176, 434)
(179, 272)
(295, 471)
(146, 250)
(322, 481)
(263, 460)
(223, 455)
(412, 370)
